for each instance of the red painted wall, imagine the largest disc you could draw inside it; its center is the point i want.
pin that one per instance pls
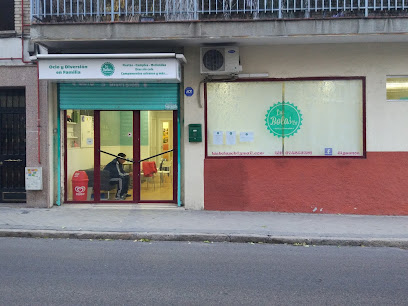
(376, 185)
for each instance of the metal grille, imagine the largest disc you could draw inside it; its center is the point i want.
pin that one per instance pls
(159, 10)
(117, 96)
(213, 60)
(12, 145)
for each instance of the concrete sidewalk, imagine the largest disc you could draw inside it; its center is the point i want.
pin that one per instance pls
(165, 223)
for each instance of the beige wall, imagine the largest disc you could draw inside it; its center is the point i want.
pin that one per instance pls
(385, 121)
(19, 76)
(192, 162)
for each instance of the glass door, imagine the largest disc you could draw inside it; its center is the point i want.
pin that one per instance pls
(79, 155)
(120, 156)
(157, 156)
(116, 156)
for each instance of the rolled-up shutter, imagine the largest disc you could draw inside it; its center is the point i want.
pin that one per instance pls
(118, 96)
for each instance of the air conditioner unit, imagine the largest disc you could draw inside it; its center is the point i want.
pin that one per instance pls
(219, 60)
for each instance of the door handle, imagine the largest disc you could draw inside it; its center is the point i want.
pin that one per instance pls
(13, 160)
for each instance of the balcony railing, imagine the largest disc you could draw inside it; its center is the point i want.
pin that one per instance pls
(56, 11)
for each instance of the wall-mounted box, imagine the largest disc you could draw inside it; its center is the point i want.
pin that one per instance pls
(195, 133)
(33, 178)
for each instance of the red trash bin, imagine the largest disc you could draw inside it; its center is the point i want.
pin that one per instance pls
(80, 186)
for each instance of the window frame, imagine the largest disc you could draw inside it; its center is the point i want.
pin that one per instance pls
(363, 93)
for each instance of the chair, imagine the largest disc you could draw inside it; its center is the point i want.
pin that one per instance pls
(149, 170)
(106, 187)
(165, 168)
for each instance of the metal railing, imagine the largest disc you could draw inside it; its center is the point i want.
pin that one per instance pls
(184, 10)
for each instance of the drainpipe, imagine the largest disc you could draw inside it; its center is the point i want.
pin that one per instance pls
(38, 81)
(38, 115)
(22, 33)
(179, 57)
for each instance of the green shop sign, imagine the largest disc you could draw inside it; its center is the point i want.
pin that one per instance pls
(283, 119)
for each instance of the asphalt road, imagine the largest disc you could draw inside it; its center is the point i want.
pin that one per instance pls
(85, 272)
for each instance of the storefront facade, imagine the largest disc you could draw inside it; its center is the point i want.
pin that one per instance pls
(337, 96)
(307, 138)
(308, 118)
(109, 105)
(335, 155)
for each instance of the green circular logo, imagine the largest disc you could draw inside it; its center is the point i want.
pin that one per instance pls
(283, 119)
(107, 69)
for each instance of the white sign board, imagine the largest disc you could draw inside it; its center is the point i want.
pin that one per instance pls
(148, 70)
(33, 178)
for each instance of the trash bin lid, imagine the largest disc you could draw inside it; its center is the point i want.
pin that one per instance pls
(80, 175)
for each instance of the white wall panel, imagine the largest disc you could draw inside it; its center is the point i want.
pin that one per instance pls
(10, 48)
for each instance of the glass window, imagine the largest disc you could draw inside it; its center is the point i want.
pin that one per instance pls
(117, 136)
(397, 88)
(156, 173)
(6, 15)
(80, 154)
(285, 118)
(116, 139)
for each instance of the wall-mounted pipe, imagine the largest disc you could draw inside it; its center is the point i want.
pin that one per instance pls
(179, 57)
(10, 58)
(38, 115)
(22, 33)
(38, 83)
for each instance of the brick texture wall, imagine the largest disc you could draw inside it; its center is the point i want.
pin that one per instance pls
(18, 16)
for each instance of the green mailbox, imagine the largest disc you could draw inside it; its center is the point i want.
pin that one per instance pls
(194, 133)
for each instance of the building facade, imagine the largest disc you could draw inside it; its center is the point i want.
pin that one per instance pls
(22, 125)
(275, 106)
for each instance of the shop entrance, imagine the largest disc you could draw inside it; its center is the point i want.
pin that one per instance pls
(125, 156)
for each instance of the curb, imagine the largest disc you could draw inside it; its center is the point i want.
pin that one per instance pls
(194, 237)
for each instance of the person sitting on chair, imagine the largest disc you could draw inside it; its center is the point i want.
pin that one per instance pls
(119, 176)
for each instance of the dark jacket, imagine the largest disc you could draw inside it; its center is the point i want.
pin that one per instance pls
(115, 169)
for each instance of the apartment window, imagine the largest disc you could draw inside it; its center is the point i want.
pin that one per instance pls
(397, 88)
(6, 15)
(309, 117)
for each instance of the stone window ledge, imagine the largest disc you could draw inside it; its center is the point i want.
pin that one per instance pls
(6, 34)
